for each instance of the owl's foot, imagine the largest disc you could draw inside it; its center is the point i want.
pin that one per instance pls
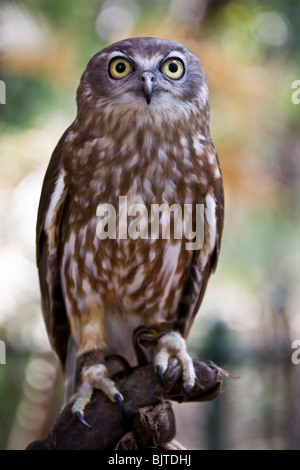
(94, 376)
(173, 345)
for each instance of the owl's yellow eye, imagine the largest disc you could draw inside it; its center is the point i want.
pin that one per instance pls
(173, 68)
(120, 68)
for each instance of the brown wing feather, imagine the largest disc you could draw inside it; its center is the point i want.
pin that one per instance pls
(48, 264)
(195, 290)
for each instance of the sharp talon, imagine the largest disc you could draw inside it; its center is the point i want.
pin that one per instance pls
(169, 375)
(188, 392)
(82, 420)
(160, 374)
(119, 400)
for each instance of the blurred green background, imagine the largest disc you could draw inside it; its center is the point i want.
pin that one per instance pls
(251, 313)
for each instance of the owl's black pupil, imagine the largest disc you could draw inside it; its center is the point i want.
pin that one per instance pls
(120, 67)
(173, 67)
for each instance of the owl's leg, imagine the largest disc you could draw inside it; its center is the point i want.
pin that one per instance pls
(172, 344)
(94, 376)
(94, 373)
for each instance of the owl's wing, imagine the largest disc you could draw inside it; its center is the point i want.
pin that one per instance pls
(203, 264)
(51, 207)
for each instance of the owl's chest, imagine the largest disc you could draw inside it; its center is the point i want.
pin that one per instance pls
(116, 242)
(121, 243)
(105, 185)
(122, 229)
(112, 205)
(144, 166)
(116, 191)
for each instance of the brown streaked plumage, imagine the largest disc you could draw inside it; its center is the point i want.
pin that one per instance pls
(144, 135)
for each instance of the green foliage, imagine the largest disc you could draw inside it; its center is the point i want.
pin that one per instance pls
(11, 379)
(27, 98)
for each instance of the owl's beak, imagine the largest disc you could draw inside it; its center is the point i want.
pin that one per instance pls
(148, 85)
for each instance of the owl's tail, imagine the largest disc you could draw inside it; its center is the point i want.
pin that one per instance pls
(71, 372)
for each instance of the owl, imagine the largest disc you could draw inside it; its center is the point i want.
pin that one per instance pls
(141, 137)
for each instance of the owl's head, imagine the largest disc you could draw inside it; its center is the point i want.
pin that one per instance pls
(148, 75)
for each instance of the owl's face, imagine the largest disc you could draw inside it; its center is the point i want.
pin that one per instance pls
(147, 74)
